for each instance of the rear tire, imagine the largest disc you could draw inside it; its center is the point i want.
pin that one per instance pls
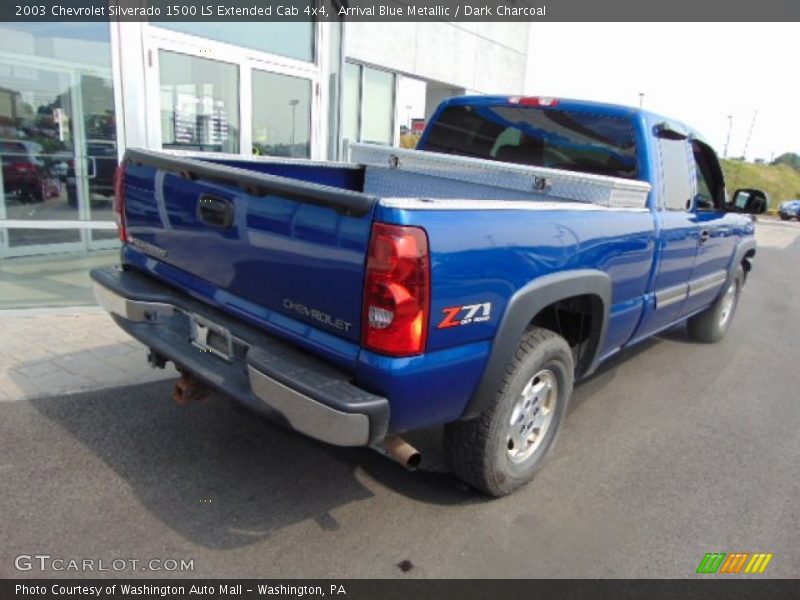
(501, 449)
(711, 325)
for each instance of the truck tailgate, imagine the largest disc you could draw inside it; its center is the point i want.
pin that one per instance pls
(285, 244)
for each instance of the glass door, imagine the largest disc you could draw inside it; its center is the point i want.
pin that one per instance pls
(211, 96)
(57, 138)
(97, 153)
(37, 151)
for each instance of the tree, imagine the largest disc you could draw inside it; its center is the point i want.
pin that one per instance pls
(788, 158)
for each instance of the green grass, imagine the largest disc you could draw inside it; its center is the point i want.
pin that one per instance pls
(781, 182)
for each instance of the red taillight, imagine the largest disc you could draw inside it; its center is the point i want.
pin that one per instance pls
(396, 290)
(119, 202)
(533, 101)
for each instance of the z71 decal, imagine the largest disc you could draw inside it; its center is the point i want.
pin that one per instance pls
(464, 315)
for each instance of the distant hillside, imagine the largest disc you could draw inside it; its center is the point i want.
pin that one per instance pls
(781, 182)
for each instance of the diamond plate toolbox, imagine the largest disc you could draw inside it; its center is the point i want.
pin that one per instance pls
(539, 182)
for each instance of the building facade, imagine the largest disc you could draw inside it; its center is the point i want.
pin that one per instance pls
(74, 96)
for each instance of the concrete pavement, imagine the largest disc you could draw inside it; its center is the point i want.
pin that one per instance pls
(56, 352)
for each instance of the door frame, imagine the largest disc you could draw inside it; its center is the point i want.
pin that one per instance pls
(74, 71)
(246, 60)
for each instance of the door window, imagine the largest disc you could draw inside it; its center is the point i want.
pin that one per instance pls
(710, 193)
(377, 107)
(368, 105)
(199, 103)
(676, 177)
(281, 115)
(58, 144)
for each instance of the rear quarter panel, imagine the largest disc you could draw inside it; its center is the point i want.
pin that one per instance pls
(480, 256)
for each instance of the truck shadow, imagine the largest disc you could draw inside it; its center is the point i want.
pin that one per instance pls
(223, 477)
(607, 371)
(220, 475)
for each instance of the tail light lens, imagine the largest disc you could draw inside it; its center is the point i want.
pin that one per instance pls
(396, 291)
(119, 202)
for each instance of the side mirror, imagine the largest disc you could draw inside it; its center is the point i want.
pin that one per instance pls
(753, 202)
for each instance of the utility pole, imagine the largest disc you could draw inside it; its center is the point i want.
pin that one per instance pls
(728, 138)
(293, 103)
(749, 133)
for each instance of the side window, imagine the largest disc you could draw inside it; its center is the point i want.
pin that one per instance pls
(710, 193)
(677, 178)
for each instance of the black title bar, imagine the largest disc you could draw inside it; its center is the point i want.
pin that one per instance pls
(399, 10)
(711, 588)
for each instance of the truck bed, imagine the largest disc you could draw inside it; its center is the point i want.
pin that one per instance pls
(287, 251)
(282, 237)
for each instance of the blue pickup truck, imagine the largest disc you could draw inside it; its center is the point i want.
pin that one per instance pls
(468, 283)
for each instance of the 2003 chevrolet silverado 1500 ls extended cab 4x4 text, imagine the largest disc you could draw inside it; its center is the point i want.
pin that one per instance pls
(467, 283)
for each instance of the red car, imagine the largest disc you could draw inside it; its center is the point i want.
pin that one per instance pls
(22, 173)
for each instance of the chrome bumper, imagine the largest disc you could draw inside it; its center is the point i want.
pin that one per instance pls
(250, 374)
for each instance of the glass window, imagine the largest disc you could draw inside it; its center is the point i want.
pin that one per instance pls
(199, 103)
(410, 103)
(675, 166)
(562, 139)
(710, 194)
(76, 43)
(351, 104)
(281, 115)
(377, 109)
(58, 146)
(293, 39)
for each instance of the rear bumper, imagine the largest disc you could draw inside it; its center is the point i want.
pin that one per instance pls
(263, 372)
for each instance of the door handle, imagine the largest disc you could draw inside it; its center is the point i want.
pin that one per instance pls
(704, 235)
(215, 211)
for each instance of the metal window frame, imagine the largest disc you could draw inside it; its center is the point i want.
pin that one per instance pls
(247, 61)
(83, 224)
(362, 67)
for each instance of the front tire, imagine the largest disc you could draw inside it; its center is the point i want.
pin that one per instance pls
(711, 325)
(501, 449)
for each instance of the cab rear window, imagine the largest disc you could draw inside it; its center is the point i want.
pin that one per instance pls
(545, 137)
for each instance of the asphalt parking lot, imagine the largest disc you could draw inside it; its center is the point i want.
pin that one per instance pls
(673, 450)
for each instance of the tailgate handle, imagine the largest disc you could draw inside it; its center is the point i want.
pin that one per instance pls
(215, 211)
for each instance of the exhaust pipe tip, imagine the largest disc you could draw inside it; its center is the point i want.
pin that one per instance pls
(414, 461)
(400, 451)
(190, 389)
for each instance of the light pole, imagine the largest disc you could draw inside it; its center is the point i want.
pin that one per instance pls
(293, 103)
(728, 137)
(641, 99)
(749, 133)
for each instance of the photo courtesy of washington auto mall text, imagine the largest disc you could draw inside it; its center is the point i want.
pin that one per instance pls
(398, 299)
(176, 590)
